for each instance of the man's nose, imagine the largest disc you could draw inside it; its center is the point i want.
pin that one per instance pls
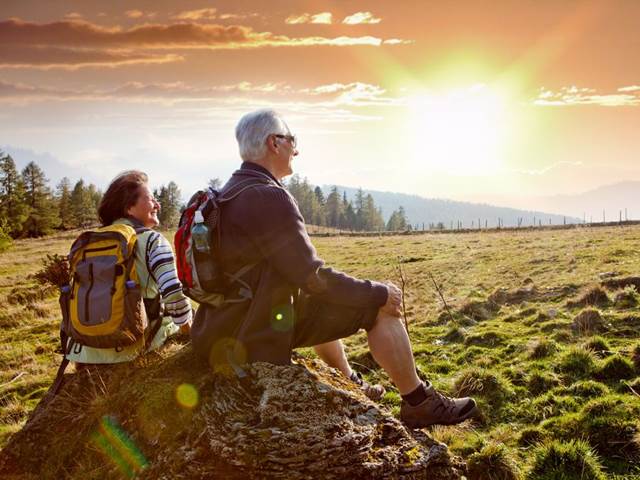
(295, 152)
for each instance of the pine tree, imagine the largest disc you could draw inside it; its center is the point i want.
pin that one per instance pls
(360, 208)
(169, 199)
(319, 196)
(398, 220)
(83, 205)
(63, 197)
(350, 218)
(333, 208)
(43, 215)
(13, 208)
(404, 221)
(96, 197)
(372, 216)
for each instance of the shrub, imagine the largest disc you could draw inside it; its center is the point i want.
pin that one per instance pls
(479, 310)
(485, 339)
(455, 334)
(550, 405)
(516, 375)
(54, 271)
(577, 362)
(598, 345)
(540, 382)
(564, 427)
(616, 368)
(562, 336)
(487, 383)
(5, 239)
(28, 294)
(493, 462)
(626, 298)
(611, 425)
(572, 460)
(588, 389)
(530, 436)
(635, 356)
(543, 348)
(595, 296)
(587, 321)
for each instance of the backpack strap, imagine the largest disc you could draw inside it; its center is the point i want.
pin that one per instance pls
(154, 303)
(66, 349)
(244, 291)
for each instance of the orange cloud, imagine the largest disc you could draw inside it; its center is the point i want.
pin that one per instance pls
(588, 96)
(331, 96)
(360, 18)
(81, 43)
(200, 14)
(134, 13)
(80, 34)
(319, 18)
(73, 16)
(71, 59)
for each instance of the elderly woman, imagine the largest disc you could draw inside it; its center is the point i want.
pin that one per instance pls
(128, 200)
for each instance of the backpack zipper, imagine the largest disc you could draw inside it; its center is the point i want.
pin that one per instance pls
(86, 298)
(99, 249)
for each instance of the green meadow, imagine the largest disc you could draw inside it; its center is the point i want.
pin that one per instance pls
(540, 326)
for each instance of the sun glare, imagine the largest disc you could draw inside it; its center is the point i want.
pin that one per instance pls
(462, 132)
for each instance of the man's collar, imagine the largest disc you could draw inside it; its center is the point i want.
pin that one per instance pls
(258, 168)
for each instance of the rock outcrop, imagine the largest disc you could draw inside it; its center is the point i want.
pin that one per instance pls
(168, 416)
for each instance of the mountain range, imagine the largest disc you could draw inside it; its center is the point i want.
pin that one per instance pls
(611, 202)
(421, 210)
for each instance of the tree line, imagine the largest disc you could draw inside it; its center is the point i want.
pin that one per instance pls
(30, 208)
(337, 211)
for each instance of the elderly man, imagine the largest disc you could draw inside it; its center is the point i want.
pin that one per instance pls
(295, 301)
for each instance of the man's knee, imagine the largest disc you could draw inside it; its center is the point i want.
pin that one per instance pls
(386, 320)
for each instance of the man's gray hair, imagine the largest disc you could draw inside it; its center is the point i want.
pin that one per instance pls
(254, 128)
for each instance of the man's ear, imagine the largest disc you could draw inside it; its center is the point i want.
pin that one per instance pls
(272, 143)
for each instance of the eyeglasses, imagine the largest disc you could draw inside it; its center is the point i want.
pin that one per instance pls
(291, 138)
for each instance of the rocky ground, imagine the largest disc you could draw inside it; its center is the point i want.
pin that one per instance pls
(169, 417)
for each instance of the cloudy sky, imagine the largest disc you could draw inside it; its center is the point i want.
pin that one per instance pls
(467, 99)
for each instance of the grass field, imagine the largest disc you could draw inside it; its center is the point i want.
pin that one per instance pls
(540, 329)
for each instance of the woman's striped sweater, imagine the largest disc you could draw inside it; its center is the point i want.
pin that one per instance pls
(161, 264)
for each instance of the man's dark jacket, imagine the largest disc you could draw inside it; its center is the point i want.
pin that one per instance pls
(263, 225)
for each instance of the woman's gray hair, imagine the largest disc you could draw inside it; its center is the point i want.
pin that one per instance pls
(254, 128)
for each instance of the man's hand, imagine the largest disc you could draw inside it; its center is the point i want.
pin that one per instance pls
(394, 301)
(185, 329)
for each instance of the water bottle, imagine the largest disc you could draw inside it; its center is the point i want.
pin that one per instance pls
(200, 233)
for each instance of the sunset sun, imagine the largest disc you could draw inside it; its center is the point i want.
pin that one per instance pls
(460, 132)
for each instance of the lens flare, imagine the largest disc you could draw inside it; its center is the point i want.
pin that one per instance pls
(282, 317)
(119, 447)
(187, 395)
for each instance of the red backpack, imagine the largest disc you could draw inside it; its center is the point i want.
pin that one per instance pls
(201, 274)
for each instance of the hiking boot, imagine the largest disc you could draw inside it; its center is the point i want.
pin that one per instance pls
(437, 409)
(373, 392)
